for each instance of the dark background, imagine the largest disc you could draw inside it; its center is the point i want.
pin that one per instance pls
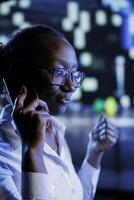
(104, 42)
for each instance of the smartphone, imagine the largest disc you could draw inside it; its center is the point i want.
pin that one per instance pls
(6, 103)
(31, 94)
(30, 90)
(5, 95)
(5, 88)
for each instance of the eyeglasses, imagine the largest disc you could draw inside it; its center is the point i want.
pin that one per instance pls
(60, 76)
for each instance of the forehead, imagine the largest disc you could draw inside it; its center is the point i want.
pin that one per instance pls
(57, 50)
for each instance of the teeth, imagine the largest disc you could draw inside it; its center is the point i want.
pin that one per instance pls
(64, 100)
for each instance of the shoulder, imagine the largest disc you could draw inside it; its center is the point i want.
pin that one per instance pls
(10, 149)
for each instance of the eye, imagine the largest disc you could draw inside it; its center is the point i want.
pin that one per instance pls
(60, 72)
(78, 76)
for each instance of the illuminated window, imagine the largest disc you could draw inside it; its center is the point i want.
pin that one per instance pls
(73, 11)
(116, 20)
(90, 84)
(18, 18)
(125, 101)
(120, 74)
(116, 5)
(120, 60)
(25, 25)
(131, 53)
(79, 38)
(101, 18)
(4, 9)
(11, 3)
(85, 21)
(67, 24)
(86, 59)
(77, 95)
(24, 3)
(131, 23)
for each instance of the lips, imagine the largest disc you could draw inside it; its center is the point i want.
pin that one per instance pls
(63, 100)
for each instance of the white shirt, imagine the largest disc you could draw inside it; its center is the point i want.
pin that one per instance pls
(60, 183)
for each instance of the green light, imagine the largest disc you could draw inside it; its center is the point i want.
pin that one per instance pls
(98, 105)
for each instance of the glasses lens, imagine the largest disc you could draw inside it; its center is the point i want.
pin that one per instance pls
(77, 78)
(59, 76)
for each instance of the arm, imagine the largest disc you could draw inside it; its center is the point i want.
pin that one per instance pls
(102, 138)
(32, 125)
(8, 189)
(33, 182)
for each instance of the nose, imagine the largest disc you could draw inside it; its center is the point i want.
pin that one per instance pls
(68, 85)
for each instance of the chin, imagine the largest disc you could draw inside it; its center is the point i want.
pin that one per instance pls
(57, 110)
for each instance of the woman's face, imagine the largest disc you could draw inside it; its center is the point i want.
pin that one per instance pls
(55, 53)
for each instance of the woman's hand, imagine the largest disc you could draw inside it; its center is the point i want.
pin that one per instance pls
(103, 137)
(31, 120)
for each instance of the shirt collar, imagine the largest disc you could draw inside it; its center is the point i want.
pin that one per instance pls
(59, 128)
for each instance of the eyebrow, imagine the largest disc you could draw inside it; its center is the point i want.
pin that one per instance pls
(65, 63)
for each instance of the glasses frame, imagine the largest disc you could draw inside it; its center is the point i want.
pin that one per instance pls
(52, 70)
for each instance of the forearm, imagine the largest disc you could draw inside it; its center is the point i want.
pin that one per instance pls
(89, 178)
(94, 158)
(32, 161)
(34, 175)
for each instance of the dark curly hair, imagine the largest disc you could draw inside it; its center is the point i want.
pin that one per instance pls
(17, 50)
(18, 54)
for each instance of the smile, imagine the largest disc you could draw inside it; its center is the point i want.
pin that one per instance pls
(63, 100)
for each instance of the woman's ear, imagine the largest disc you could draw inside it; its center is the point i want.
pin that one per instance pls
(31, 92)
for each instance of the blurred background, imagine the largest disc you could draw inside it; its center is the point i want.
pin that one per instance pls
(102, 32)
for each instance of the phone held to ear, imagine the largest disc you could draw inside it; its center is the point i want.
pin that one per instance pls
(6, 103)
(9, 101)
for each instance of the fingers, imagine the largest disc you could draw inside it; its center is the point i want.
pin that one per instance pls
(19, 102)
(105, 130)
(108, 142)
(44, 119)
(113, 131)
(102, 119)
(36, 104)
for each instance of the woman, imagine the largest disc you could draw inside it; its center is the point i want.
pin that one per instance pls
(35, 162)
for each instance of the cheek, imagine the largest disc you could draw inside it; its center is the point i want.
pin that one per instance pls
(43, 86)
(48, 93)
(51, 91)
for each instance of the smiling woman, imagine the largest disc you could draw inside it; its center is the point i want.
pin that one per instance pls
(35, 161)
